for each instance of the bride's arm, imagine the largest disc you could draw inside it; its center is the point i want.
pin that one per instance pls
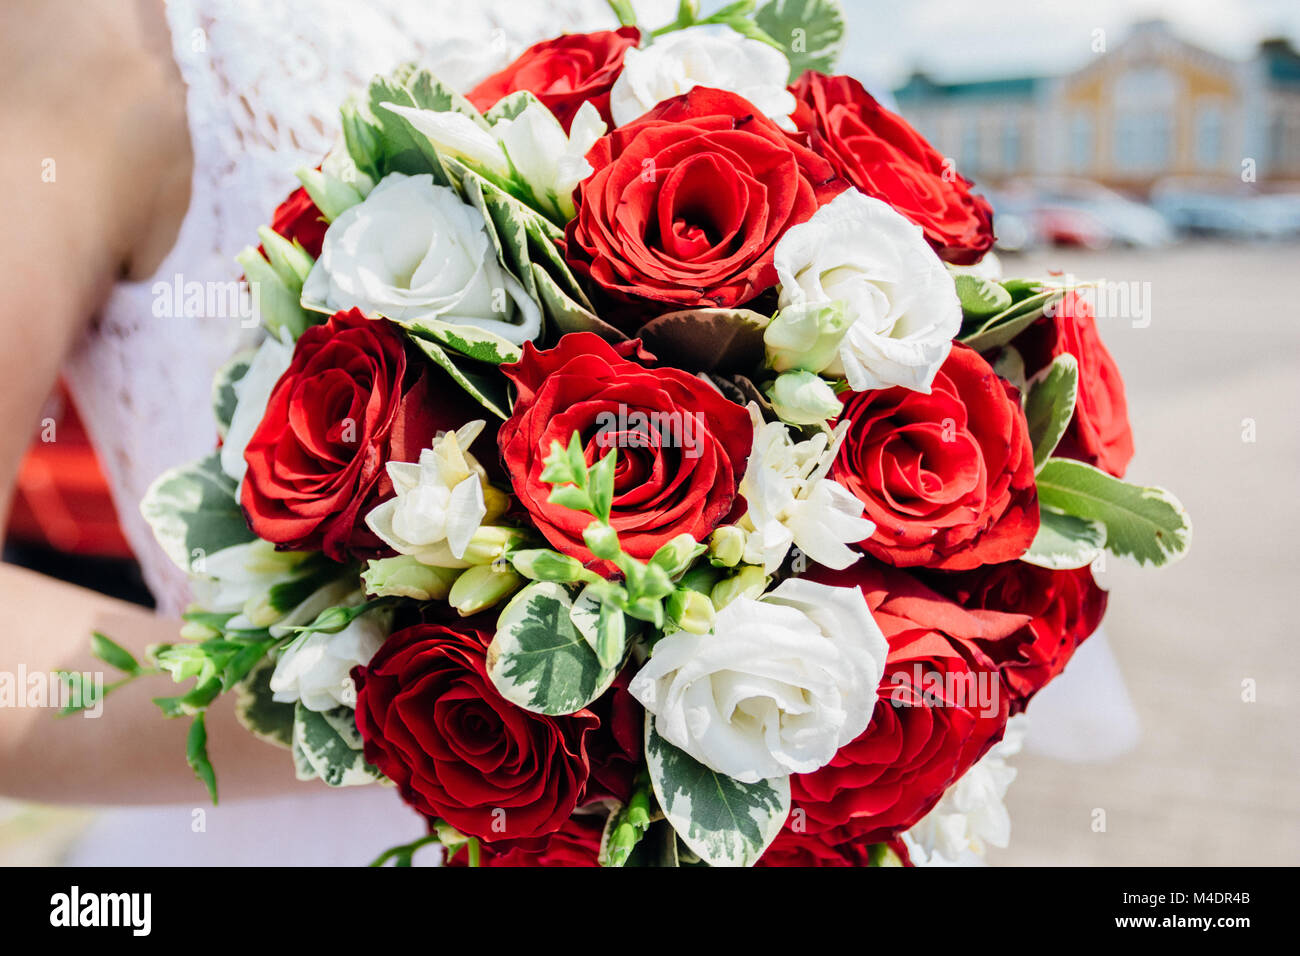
(94, 172)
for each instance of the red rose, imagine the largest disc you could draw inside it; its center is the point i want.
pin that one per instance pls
(791, 848)
(687, 202)
(880, 154)
(614, 751)
(681, 446)
(576, 843)
(434, 724)
(563, 73)
(948, 477)
(298, 219)
(346, 405)
(1065, 607)
(939, 708)
(1099, 433)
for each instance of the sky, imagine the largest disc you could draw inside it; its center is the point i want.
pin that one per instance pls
(967, 39)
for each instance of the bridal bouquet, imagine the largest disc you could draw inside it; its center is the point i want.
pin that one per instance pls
(646, 464)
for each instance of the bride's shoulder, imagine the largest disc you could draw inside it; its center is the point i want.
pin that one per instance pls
(94, 83)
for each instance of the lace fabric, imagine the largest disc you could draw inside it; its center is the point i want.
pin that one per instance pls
(265, 81)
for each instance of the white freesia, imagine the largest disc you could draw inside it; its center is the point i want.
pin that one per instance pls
(239, 580)
(898, 298)
(790, 501)
(532, 148)
(713, 56)
(252, 392)
(440, 501)
(970, 816)
(778, 686)
(412, 250)
(316, 669)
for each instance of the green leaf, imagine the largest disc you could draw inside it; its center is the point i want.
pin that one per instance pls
(538, 658)
(1006, 325)
(193, 512)
(1065, 541)
(488, 391)
(980, 298)
(224, 398)
(1049, 405)
(510, 106)
(400, 147)
(724, 821)
(196, 755)
(113, 654)
(470, 341)
(279, 305)
(327, 744)
(263, 716)
(1148, 525)
(810, 32)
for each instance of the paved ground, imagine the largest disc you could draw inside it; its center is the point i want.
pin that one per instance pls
(1214, 395)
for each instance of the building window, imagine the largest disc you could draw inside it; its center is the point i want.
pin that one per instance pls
(1143, 141)
(970, 147)
(1012, 147)
(1081, 142)
(1145, 100)
(1209, 136)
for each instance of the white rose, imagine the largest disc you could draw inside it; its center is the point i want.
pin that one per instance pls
(790, 501)
(531, 150)
(412, 250)
(897, 295)
(252, 392)
(777, 688)
(970, 816)
(316, 669)
(713, 56)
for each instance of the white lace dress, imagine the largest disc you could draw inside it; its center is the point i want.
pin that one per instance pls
(266, 79)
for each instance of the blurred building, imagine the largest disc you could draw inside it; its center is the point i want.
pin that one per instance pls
(1146, 108)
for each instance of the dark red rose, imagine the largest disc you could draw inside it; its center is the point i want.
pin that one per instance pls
(879, 153)
(681, 446)
(298, 219)
(576, 843)
(948, 477)
(1099, 433)
(614, 750)
(939, 708)
(1064, 608)
(563, 73)
(347, 404)
(687, 203)
(433, 722)
(810, 849)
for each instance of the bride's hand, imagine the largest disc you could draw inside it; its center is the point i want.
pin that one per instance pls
(94, 181)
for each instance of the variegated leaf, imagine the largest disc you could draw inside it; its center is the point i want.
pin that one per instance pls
(1148, 525)
(327, 744)
(724, 821)
(262, 716)
(193, 512)
(1049, 405)
(490, 392)
(539, 659)
(471, 341)
(1065, 541)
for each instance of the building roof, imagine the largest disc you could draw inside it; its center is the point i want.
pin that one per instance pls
(921, 87)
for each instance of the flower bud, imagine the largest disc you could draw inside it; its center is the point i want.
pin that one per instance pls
(676, 555)
(403, 576)
(481, 587)
(691, 611)
(541, 564)
(805, 336)
(602, 540)
(803, 398)
(490, 542)
(727, 545)
(749, 582)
